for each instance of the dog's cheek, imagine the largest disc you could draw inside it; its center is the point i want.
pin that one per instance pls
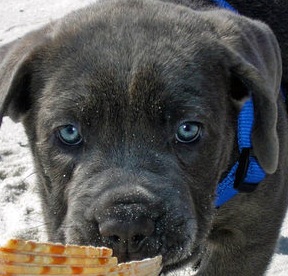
(58, 167)
(57, 162)
(203, 164)
(200, 165)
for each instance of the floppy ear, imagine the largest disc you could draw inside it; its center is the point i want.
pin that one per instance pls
(253, 58)
(16, 68)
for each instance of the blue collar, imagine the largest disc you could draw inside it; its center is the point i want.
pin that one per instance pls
(225, 5)
(246, 173)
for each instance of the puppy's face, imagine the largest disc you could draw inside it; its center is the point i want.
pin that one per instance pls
(129, 160)
(132, 124)
(129, 143)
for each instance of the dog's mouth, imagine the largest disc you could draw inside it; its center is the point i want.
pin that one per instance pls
(172, 247)
(139, 239)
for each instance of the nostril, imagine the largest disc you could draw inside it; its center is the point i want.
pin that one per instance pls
(126, 233)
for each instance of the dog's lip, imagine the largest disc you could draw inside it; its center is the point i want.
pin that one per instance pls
(172, 256)
(136, 257)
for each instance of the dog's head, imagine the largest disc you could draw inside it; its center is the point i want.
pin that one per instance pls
(131, 111)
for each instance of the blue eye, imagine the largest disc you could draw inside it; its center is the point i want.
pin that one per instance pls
(69, 135)
(188, 132)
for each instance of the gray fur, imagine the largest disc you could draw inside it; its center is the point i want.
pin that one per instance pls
(127, 73)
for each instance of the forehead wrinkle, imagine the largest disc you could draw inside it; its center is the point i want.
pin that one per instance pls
(145, 86)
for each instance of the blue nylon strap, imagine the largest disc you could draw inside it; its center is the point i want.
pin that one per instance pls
(226, 190)
(255, 174)
(245, 125)
(225, 5)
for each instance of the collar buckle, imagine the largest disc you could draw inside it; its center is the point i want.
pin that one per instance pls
(241, 173)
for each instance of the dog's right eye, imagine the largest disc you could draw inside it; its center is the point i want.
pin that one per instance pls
(69, 135)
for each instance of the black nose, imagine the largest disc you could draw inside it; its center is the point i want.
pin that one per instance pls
(127, 236)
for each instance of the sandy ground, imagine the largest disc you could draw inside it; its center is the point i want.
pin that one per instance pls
(20, 212)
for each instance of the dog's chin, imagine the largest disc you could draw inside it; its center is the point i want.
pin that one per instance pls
(176, 256)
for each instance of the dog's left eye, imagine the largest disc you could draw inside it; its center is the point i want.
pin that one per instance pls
(69, 135)
(188, 132)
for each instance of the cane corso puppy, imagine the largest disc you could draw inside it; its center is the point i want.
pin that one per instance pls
(134, 110)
